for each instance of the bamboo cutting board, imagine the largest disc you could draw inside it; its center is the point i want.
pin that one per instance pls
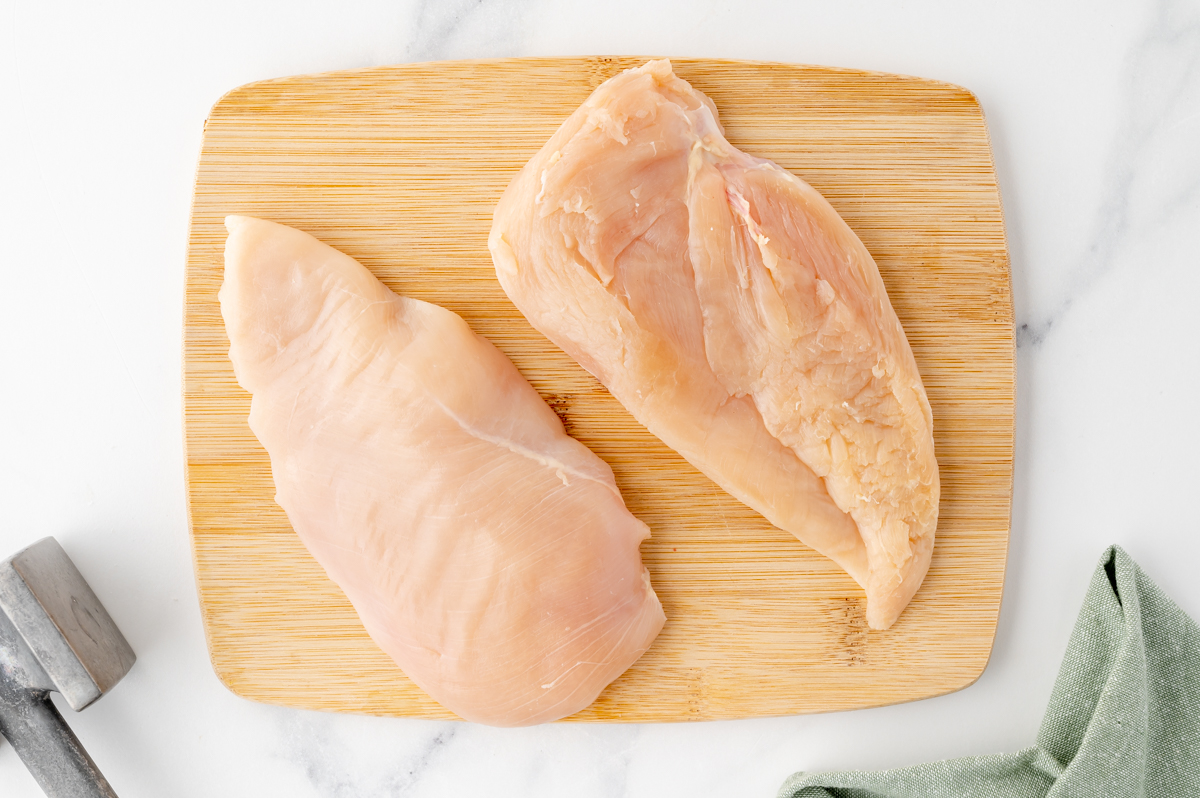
(400, 167)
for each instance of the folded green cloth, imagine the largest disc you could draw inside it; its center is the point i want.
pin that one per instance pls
(1123, 720)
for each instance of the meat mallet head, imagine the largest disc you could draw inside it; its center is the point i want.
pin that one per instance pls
(54, 633)
(54, 636)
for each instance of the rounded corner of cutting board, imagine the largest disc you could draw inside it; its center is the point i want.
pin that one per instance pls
(227, 676)
(402, 173)
(232, 99)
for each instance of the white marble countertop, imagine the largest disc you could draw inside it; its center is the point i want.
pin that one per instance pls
(1094, 112)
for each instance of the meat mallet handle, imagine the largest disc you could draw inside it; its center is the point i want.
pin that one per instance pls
(47, 745)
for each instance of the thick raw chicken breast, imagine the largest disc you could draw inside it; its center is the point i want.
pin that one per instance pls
(488, 553)
(725, 303)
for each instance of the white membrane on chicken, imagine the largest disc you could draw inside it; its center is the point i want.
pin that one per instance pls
(725, 303)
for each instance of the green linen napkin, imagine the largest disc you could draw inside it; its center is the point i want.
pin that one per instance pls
(1123, 720)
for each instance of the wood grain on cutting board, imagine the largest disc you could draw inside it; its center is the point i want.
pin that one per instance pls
(400, 167)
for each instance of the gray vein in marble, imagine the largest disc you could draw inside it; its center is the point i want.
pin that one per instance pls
(329, 764)
(1162, 80)
(435, 747)
(464, 29)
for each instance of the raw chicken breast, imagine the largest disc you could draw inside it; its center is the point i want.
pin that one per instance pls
(488, 553)
(725, 303)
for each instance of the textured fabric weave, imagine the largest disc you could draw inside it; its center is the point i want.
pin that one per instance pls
(1123, 720)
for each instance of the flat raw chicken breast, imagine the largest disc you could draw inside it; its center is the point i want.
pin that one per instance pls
(490, 555)
(725, 303)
